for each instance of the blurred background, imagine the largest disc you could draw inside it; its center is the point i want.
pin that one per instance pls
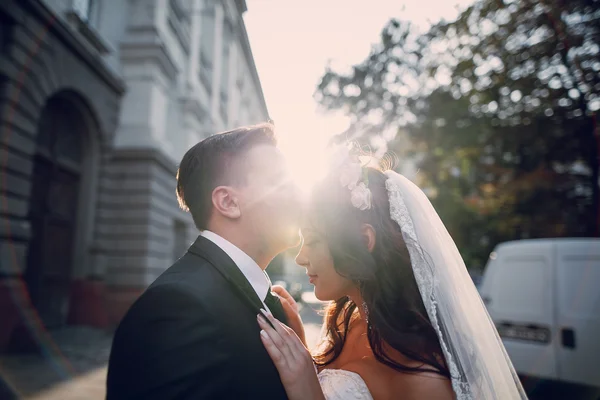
(491, 106)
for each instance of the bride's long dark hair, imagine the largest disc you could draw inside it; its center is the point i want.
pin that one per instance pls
(396, 315)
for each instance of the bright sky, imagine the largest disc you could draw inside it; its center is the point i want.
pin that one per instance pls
(292, 42)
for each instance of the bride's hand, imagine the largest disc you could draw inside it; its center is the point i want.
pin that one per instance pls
(291, 311)
(292, 359)
(284, 294)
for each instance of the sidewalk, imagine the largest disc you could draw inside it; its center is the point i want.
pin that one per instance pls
(86, 352)
(77, 372)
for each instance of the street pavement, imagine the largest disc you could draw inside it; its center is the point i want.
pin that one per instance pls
(78, 370)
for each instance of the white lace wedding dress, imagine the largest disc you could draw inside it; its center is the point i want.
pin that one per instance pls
(338, 384)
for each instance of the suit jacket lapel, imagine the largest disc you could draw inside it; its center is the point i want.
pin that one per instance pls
(224, 264)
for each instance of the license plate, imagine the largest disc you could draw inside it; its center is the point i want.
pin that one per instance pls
(528, 333)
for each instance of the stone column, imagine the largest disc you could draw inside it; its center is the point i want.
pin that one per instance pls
(192, 107)
(149, 71)
(142, 165)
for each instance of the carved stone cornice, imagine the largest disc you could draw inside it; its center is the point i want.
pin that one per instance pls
(144, 44)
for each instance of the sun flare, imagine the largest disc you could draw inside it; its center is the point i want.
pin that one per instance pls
(305, 145)
(306, 162)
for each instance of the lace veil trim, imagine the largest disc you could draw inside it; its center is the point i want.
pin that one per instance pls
(426, 281)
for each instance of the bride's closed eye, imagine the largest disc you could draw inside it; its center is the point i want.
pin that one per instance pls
(310, 242)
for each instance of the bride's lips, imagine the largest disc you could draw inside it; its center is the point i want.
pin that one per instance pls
(312, 278)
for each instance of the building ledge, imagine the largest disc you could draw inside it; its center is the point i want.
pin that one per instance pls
(135, 50)
(146, 154)
(89, 33)
(76, 44)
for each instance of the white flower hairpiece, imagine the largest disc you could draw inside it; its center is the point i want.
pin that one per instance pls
(360, 197)
(350, 176)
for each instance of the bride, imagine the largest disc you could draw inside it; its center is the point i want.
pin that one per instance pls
(405, 320)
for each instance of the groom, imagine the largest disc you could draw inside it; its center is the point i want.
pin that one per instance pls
(193, 334)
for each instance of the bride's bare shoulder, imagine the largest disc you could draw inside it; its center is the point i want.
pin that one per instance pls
(423, 385)
(386, 383)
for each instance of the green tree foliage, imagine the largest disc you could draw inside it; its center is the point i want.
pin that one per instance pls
(497, 108)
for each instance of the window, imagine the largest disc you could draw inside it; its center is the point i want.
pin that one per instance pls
(83, 8)
(4, 82)
(59, 135)
(241, 70)
(244, 112)
(224, 99)
(177, 11)
(207, 45)
(179, 23)
(6, 26)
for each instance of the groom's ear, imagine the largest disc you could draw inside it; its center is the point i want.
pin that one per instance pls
(226, 202)
(368, 233)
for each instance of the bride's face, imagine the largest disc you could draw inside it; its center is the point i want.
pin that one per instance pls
(315, 256)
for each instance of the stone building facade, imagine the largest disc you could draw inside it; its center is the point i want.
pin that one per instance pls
(99, 99)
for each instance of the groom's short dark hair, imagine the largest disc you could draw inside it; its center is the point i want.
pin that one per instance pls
(214, 162)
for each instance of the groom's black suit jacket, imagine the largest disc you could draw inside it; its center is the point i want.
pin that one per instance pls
(193, 334)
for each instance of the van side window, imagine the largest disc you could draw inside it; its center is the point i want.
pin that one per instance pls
(579, 294)
(521, 285)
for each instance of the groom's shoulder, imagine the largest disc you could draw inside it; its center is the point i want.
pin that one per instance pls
(191, 274)
(187, 281)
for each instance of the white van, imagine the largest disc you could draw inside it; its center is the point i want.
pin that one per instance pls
(544, 297)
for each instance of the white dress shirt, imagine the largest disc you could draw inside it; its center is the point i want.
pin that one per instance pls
(254, 274)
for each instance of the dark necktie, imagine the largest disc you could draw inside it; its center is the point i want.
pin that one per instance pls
(275, 306)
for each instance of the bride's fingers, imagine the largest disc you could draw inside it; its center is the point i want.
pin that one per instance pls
(286, 350)
(284, 294)
(267, 332)
(298, 349)
(288, 307)
(277, 339)
(279, 327)
(293, 342)
(275, 354)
